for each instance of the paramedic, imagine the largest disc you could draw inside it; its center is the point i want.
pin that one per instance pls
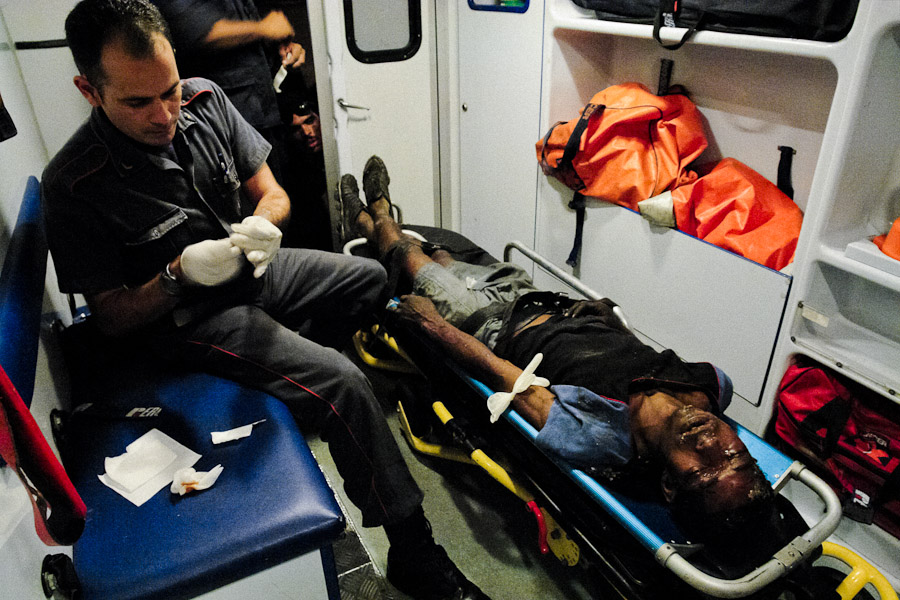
(616, 403)
(228, 42)
(148, 213)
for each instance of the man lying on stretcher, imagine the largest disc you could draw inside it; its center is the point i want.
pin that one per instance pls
(614, 403)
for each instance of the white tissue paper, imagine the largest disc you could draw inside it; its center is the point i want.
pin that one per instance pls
(237, 433)
(147, 466)
(143, 458)
(279, 78)
(187, 480)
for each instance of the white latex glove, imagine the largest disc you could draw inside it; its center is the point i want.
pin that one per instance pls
(259, 239)
(211, 262)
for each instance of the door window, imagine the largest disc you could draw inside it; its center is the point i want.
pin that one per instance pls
(383, 30)
(517, 6)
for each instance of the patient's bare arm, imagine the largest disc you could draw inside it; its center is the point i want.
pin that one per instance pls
(476, 358)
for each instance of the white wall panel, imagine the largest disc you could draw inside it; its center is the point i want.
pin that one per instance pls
(499, 120)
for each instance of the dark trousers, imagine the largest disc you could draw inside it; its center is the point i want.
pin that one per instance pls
(285, 341)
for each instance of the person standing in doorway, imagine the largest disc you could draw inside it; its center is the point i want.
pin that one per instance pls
(228, 42)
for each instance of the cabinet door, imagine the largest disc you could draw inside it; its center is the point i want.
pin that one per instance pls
(499, 115)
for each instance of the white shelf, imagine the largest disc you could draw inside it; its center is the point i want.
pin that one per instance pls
(850, 319)
(881, 277)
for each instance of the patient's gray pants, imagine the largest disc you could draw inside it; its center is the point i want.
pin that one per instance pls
(460, 289)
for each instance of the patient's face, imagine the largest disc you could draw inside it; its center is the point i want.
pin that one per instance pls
(705, 455)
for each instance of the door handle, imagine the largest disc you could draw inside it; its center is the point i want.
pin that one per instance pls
(346, 105)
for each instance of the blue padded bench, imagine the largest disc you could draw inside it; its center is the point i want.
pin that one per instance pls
(270, 510)
(22, 292)
(270, 504)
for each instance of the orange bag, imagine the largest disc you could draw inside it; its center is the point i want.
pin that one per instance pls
(890, 243)
(628, 145)
(737, 209)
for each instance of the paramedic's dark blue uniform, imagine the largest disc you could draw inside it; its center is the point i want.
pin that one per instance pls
(243, 72)
(116, 213)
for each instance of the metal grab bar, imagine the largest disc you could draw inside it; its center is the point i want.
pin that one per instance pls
(561, 275)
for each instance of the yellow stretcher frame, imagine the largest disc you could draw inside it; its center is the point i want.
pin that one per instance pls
(551, 537)
(861, 573)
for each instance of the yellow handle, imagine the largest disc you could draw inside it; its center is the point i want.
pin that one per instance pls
(861, 574)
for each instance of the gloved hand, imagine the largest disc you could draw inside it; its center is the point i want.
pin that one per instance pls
(259, 239)
(211, 262)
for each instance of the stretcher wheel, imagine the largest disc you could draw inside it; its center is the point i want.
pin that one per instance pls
(58, 578)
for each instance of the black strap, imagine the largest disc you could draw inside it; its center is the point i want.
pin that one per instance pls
(471, 323)
(784, 170)
(577, 203)
(832, 418)
(575, 138)
(665, 76)
(545, 166)
(564, 171)
(865, 512)
(392, 261)
(565, 162)
(666, 16)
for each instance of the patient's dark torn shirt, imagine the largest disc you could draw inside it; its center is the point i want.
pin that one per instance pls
(594, 353)
(594, 365)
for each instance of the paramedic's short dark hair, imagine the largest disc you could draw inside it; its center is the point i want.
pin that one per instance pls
(93, 24)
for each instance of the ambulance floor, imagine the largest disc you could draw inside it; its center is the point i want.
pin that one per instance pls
(485, 529)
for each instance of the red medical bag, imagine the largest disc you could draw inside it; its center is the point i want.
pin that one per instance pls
(849, 435)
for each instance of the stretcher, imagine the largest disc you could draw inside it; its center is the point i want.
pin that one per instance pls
(578, 517)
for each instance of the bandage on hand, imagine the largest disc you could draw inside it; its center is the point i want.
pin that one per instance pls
(259, 239)
(211, 262)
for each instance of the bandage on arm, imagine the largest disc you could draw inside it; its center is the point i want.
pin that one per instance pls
(498, 402)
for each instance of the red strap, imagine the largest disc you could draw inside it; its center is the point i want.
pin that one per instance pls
(59, 512)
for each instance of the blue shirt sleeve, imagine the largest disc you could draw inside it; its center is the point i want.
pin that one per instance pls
(586, 430)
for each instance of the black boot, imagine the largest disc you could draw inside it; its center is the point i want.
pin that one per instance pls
(420, 568)
(351, 206)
